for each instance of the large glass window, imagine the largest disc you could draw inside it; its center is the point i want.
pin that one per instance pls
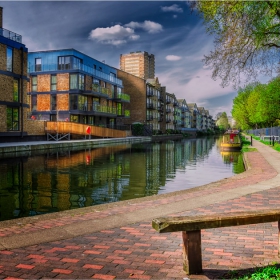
(12, 119)
(53, 82)
(69, 62)
(64, 62)
(77, 81)
(38, 64)
(53, 102)
(73, 102)
(34, 83)
(16, 90)
(34, 102)
(9, 59)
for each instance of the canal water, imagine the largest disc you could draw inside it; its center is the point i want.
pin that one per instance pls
(63, 180)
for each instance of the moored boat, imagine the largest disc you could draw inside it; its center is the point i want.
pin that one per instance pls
(231, 140)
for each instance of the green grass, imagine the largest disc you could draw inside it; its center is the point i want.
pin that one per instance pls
(276, 146)
(246, 145)
(261, 273)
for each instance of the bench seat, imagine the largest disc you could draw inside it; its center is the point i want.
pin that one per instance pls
(191, 230)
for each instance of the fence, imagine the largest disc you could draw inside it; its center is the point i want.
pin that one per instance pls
(265, 132)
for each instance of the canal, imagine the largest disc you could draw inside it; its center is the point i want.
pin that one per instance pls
(65, 179)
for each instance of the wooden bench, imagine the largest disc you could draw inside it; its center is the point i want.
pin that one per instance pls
(191, 230)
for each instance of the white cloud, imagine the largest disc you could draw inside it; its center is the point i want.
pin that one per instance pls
(174, 8)
(173, 57)
(147, 25)
(114, 35)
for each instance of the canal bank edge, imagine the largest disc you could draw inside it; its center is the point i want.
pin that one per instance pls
(138, 211)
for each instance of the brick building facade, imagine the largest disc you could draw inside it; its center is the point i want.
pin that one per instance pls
(140, 64)
(13, 85)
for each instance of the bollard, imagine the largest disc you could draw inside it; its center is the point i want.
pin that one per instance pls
(273, 140)
(251, 140)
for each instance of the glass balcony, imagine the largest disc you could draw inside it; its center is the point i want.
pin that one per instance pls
(103, 91)
(94, 107)
(10, 35)
(87, 69)
(123, 96)
(127, 113)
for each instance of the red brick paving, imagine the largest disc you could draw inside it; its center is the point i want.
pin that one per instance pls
(138, 252)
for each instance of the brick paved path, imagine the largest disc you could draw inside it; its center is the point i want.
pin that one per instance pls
(137, 251)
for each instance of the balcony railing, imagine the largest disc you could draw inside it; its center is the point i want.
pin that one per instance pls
(95, 108)
(127, 113)
(97, 88)
(123, 96)
(10, 35)
(150, 118)
(151, 106)
(80, 66)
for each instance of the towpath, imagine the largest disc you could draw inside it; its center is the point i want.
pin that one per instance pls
(116, 241)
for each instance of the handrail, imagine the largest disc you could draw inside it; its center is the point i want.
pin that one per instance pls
(10, 35)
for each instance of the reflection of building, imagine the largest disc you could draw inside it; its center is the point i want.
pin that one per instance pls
(64, 179)
(140, 64)
(13, 84)
(69, 85)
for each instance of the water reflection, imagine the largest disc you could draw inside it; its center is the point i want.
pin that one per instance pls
(64, 180)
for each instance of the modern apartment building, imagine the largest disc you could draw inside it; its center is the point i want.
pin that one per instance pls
(147, 101)
(185, 115)
(140, 64)
(13, 84)
(67, 85)
(196, 116)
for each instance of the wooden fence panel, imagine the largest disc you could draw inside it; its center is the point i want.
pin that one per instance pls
(80, 129)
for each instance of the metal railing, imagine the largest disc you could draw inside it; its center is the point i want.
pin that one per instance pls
(90, 70)
(10, 35)
(123, 96)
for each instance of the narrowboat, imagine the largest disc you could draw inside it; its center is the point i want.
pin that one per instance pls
(231, 140)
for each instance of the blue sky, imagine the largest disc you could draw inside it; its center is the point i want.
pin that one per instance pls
(106, 29)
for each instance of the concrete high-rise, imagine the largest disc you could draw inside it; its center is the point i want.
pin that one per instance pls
(140, 64)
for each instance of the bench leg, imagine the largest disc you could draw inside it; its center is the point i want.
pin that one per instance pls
(278, 238)
(192, 257)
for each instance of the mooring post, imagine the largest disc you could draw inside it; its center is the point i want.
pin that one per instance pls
(251, 140)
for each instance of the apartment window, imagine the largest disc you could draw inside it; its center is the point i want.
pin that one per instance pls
(64, 62)
(77, 81)
(112, 77)
(38, 64)
(119, 109)
(34, 83)
(53, 101)
(16, 90)
(76, 62)
(34, 102)
(73, 102)
(9, 59)
(53, 82)
(12, 119)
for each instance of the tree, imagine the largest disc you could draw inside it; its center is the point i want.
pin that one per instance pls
(247, 38)
(269, 102)
(240, 110)
(222, 122)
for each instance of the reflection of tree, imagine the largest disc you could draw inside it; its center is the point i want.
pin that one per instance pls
(235, 159)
